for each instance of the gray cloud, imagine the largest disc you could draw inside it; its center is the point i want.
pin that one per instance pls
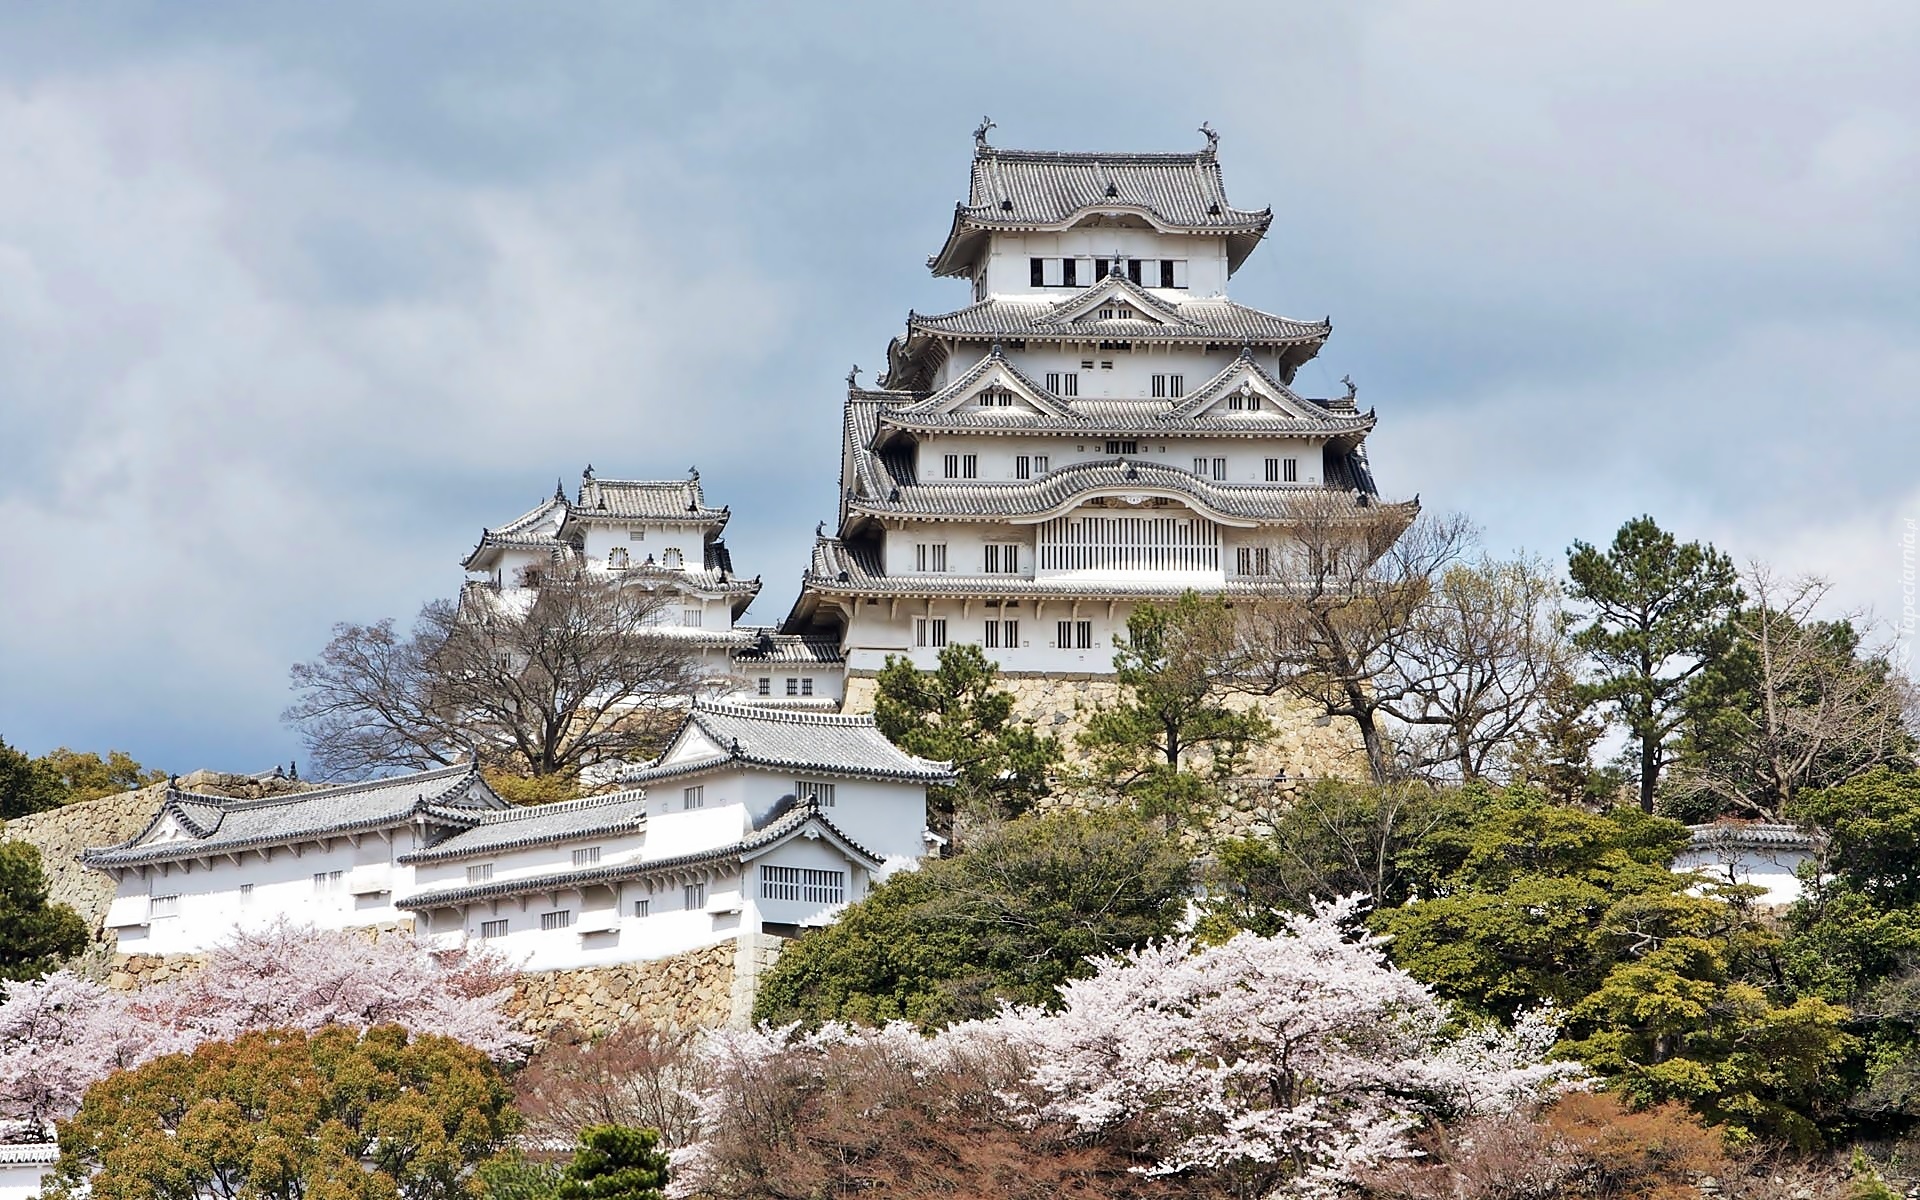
(291, 304)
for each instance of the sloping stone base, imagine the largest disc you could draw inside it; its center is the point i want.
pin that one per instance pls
(691, 990)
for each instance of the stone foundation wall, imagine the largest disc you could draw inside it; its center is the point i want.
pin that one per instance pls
(1304, 744)
(689, 990)
(130, 972)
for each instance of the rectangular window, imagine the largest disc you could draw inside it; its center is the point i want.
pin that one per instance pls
(636, 535)
(1022, 467)
(1200, 467)
(559, 918)
(1166, 272)
(818, 793)
(803, 884)
(690, 618)
(969, 466)
(1069, 275)
(990, 636)
(163, 906)
(1176, 386)
(1179, 272)
(793, 685)
(1119, 448)
(1070, 384)
(1273, 470)
(1037, 271)
(1039, 464)
(1291, 474)
(1220, 468)
(764, 686)
(930, 632)
(1053, 382)
(1101, 269)
(494, 929)
(999, 558)
(479, 872)
(326, 882)
(1050, 272)
(692, 798)
(1253, 560)
(806, 687)
(1133, 269)
(1086, 364)
(1002, 635)
(694, 896)
(246, 895)
(639, 908)
(930, 558)
(587, 856)
(1075, 635)
(951, 466)
(1159, 387)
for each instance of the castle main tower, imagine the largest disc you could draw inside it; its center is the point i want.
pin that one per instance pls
(1102, 425)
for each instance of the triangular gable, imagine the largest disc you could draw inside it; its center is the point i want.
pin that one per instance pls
(1244, 390)
(1114, 293)
(1013, 390)
(690, 744)
(817, 828)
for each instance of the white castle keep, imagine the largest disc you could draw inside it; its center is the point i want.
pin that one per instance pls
(1100, 426)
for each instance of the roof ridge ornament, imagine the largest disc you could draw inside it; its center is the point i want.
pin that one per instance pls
(980, 134)
(853, 378)
(1213, 136)
(1353, 389)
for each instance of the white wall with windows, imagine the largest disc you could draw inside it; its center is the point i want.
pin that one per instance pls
(977, 458)
(1009, 263)
(185, 907)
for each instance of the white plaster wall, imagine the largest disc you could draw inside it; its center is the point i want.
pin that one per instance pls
(1772, 869)
(211, 904)
(877, 631)
(1009, 273)
(1246, 457)
(534, 860)
(673, 829)
(669, 927)
(21, 1181)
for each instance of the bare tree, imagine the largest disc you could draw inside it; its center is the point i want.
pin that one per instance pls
(1476, 662)
(1329, 626)
(1796, 702)
(543, 679)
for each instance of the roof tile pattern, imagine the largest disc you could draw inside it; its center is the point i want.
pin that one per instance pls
(219, 825)
(540, 824)
(813, 743)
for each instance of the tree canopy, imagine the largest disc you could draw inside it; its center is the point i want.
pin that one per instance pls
(35, 936)
(1019, 913)
(286, 1115)
(955, 713)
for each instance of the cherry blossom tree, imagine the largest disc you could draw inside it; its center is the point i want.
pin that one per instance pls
(61, 1034)
(1290, 1062)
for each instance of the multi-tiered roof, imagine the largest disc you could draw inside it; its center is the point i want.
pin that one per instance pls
(939, 366)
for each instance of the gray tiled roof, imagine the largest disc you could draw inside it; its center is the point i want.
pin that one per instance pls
(652, 500)
(800, 820)
(808, 742)
(1202, 321)
(1748, 835)
(1284, 413)
(764, 648)
(1030, 189)
(1058, 489)
(528, 531)
(539, 825)
(221, 825)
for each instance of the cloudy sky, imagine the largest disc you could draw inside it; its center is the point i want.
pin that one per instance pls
(295, 298)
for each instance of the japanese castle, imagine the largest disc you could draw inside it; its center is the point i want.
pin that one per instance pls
(1100, 425)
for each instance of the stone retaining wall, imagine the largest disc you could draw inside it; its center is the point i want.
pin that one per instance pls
(689, 990)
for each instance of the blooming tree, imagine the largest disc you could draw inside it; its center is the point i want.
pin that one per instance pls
(1289, 1062)
(61, 1034)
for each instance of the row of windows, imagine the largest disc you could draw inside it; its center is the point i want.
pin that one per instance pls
(796, 686)
(1028, 466)
(693, 897)
(804, 884)
(1079, 272)
(962, 466)
(619, 559)
(931, 633)
(996, 558)
(1169, 387)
